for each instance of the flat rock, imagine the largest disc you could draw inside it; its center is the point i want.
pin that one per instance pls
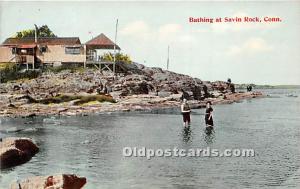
(60, 181)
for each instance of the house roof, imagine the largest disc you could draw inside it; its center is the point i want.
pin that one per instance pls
(42, 41)
(101, 42)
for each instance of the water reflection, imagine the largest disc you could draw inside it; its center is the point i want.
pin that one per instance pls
(209, 137)
(186, 134)
(209, 130)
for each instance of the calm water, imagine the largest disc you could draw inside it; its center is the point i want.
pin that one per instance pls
(92, 147)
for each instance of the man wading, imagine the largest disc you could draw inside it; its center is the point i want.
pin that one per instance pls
(186, 110)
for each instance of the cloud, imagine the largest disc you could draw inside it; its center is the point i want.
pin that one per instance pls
(138, 29)
(202, 30)
(169, 30)
(251, 46)
(174, 33)
(165, 33)
(186, 39)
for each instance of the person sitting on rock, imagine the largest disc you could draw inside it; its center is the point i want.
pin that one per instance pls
(186, 111)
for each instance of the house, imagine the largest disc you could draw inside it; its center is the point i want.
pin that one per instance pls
(54, 50)
(33, 52)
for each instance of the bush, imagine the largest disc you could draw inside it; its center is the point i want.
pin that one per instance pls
(119, 58)
(13, 72)
(3, 65)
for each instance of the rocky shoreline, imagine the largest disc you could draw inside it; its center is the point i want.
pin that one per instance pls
(133, 103)
(82, 92)
(140, 89)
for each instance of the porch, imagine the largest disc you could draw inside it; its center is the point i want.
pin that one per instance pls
(95, 51)
(25, 55)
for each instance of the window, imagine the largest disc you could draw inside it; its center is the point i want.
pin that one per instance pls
(43, 49)
(14, 50)
(23, 51)
(72, 50)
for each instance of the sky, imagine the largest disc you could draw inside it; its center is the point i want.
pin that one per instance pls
(260, 53)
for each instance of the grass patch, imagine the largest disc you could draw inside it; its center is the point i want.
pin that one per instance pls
(91, 103)
(99, 98)
(58, 99)
(67, 98)
(58, 69)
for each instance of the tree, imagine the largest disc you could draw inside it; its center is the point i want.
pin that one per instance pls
(119, 57)
(42, 31)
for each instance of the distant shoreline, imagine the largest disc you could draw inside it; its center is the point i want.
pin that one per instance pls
(243, 86)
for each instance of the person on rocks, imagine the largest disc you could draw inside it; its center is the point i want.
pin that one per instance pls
(105, 90)
(205, 90)
(184, 95)
(186, 111)
(156, 90)
(100, 88)
(208, 117)
(249, 88)
(196, 92)
(232, 88)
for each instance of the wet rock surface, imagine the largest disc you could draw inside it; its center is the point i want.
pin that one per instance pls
(16, 151)
(60, 181)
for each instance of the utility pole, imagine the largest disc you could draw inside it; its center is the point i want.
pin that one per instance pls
(35, 40)
(168, 60)
(35, 33)
(114, 65)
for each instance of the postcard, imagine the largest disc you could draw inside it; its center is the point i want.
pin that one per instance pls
(149, 94)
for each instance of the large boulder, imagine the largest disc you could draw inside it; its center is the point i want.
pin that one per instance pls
(61, 181)
(15, 151)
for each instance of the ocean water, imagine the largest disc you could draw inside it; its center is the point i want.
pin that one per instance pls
(92, 146)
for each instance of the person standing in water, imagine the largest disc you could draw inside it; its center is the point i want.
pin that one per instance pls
(186, 111)
(208, 116)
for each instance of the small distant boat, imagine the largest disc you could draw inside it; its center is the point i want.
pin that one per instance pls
(291, 95)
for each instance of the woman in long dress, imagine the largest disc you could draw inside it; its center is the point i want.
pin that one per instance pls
(208, 117)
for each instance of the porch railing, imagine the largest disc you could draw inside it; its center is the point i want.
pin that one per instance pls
(25, 59)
